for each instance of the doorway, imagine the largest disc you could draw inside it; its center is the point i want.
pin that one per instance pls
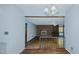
(47, 35)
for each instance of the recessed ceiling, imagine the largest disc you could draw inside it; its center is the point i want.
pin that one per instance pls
(46, 21)
(38, 9)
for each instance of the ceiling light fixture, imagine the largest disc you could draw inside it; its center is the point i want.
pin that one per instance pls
(50, 10)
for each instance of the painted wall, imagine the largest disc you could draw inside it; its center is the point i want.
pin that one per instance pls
(13, 22)
(31, 30)
(3, 41)
(72, 30)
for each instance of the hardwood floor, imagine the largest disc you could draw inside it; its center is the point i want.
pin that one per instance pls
(48, 46)
(44, 43)
(45, 51)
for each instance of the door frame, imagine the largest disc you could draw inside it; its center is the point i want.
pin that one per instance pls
(25, 34)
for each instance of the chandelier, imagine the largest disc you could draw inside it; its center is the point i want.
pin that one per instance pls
(50, 10)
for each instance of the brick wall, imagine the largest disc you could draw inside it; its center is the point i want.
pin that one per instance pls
(49, 28)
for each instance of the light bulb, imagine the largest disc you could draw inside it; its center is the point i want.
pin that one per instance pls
(53, 8)
(54, 12)
(46, 10)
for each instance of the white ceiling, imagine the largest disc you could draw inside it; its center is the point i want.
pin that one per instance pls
(38, 9)
(46, 21)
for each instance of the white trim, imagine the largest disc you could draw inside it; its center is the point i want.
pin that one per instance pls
(68, 50)
(21, 50)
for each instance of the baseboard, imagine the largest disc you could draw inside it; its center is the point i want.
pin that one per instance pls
(68, 51)
(21, 50)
